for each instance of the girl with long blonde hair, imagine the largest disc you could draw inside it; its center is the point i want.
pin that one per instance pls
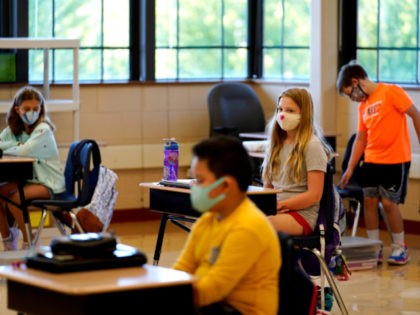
(295, 162)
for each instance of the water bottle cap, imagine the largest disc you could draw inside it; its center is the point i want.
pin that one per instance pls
(170, 143)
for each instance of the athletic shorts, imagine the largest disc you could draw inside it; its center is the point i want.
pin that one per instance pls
(385, 181)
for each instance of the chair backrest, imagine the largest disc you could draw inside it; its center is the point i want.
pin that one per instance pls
(332, 216)
(82, 170)
(330, 226)
(234, 108)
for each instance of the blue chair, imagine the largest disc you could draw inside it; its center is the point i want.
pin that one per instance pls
(81, 175)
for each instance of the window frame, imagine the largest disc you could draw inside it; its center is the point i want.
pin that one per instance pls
(142, 41)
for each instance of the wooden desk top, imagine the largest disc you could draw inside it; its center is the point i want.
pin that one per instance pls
(99, 281)
(15, 159)
(252, 190)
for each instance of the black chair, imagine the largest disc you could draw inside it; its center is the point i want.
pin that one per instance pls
(81, 175)
(298, 294)
(234, 108)
(315, 251)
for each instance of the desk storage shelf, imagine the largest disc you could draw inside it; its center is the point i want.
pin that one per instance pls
(53, 105)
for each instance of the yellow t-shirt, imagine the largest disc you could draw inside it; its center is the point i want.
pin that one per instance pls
(236, 260)
(382, 115)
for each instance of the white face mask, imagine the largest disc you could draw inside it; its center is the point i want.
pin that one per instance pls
(30, 117)
(288, 121)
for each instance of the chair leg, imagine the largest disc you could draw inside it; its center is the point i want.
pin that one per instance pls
(330, 280)
(356, 219)
(75, 222)
(40, 228)
(59, 225)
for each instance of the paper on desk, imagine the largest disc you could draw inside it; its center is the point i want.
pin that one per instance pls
(255, 145)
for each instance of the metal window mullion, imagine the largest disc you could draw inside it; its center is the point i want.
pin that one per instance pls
(223, 47)
(378, 44)
(282, 40)
(417, 41)
(102, 41)
(177, 47)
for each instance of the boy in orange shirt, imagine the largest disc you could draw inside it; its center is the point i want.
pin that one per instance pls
(384, 139)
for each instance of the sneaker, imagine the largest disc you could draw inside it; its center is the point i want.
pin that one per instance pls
(399, 255)
(12, 242)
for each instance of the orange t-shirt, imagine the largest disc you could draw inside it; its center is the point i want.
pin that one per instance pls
(382, 115)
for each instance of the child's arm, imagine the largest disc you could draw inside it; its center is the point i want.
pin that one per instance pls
(41, 144)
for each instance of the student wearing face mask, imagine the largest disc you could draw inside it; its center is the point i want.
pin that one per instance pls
(384, 139)
(29, 133)
(232, 248)
(295, 162)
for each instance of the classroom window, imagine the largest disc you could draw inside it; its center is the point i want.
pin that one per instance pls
(170, 40)
(286, 40)
(102, 27)
(388, 40)
(196, 41)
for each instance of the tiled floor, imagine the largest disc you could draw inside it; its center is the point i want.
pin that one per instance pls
(384, 290)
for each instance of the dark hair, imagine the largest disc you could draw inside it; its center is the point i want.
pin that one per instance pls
(225, 155)
(350, 71)
(24, 94)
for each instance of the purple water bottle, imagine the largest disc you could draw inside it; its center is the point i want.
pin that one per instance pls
(170, 159)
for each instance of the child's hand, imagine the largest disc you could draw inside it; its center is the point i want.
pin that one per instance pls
(281, 208)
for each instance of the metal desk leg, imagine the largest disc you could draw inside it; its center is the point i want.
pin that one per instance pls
(24, 208)
(159, 240)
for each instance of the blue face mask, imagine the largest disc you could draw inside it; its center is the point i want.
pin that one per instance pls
(200, 199)
(30, 117)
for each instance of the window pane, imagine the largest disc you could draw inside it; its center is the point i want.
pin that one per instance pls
(235, 63)
(369, 60)
(367, 26)
(235, 23)
(63, 64)
(295, 67)
(207, 41)
(273, 64)
(208, 67)
(401, 32)
(166, 21)
(91, 60)
(388, 39)
(286, 39)
(99, 24)
(397, 66)
(116, 23)
(36, 65)
(167, 65)
(40, 18)
(297, 23)
(200, 24)
(115, 67)
(273, 22)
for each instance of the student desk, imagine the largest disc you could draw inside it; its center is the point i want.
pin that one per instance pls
(174, 204)
(18, 169)
(113, 291)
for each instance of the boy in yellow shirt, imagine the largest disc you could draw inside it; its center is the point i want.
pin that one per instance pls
(232, 248)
